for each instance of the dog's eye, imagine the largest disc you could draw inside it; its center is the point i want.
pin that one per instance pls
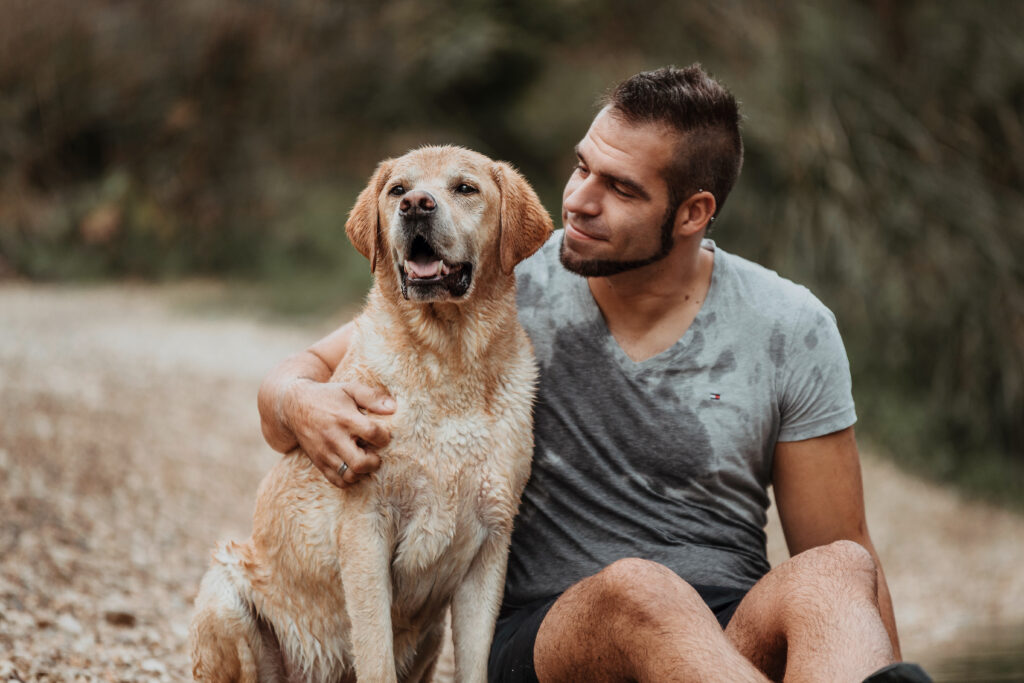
(397, 191)
(466, 189)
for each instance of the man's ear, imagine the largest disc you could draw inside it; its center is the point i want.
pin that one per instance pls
(363, 225)
(524, 224)
(696, 212)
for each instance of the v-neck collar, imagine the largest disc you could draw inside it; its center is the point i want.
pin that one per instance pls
(593, 312)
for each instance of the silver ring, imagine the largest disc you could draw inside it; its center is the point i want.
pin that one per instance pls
(343, 469)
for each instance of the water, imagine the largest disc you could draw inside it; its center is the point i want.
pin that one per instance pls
(989, 656)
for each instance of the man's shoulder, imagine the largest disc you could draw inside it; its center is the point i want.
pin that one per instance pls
(544, 258)
(534, 274)
(758, 288)
(758, 281)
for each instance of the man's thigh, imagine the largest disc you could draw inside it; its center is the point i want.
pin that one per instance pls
(798, 599)
(755, 630)
(515, 634)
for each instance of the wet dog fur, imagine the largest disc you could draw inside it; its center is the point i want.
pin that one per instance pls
(346, 584)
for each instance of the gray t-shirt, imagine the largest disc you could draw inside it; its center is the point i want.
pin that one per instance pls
(668, 459)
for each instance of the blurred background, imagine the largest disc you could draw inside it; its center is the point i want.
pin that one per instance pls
(164, 141)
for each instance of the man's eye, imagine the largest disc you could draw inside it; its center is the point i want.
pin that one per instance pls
(621, 191)
(397, 191)
(579, 168)
(463, 188)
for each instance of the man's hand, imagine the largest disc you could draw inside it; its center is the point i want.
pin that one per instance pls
(334, 424)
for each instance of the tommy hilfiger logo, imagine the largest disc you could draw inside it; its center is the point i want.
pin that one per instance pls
(716, 397)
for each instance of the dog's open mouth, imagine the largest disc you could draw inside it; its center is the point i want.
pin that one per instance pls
(429, 274)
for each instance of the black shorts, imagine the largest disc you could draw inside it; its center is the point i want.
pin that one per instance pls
(511, 659)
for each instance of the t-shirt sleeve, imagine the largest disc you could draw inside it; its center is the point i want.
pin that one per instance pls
(816, 390)
(533, 275)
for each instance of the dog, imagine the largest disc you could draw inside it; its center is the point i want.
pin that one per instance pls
(354, 584)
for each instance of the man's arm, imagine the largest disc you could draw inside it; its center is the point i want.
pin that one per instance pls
(298, 407)
(820, 496)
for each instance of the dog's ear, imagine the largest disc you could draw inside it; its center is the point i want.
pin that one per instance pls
(525, 225)
(363, 225)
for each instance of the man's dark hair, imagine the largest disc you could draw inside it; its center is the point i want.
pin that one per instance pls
(709, 153)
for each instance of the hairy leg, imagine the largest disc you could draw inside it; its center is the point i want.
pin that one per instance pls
(635, 620)
(815, 618)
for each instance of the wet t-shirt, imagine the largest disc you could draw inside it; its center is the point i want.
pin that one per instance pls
(670, 458)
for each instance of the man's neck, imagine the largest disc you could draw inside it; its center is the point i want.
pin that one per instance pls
(650, 308)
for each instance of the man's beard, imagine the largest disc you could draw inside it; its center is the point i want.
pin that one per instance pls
(605, 267)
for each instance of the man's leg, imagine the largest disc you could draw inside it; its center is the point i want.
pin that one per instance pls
(635, 620)
(815, 618)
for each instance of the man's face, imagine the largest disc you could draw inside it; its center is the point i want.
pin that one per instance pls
(615, 207)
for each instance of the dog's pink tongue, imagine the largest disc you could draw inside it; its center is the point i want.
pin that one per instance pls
(423, 270)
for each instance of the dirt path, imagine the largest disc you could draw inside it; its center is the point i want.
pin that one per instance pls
(129, 443)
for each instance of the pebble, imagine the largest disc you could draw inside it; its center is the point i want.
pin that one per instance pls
(119, 618)
(153, 666)
(68, 623)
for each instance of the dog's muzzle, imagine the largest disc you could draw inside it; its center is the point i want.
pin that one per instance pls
(426, 274)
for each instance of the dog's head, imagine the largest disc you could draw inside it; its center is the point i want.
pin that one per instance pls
(439, 218)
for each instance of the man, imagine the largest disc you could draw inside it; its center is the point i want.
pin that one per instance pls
(677, 383)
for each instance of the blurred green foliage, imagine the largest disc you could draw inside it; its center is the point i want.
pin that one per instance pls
(884, 169)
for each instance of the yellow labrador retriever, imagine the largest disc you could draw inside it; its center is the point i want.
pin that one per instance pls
(340, 585)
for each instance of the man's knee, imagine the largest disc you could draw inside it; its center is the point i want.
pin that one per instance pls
(633, 620)
(804, 595)
(642, 590)
(839, 558)
(838, 571)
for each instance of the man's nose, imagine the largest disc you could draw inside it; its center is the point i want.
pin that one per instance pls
(417, 203)
(581, 197)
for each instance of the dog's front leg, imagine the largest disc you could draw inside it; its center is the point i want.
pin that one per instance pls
(475, 608)
(366, 580)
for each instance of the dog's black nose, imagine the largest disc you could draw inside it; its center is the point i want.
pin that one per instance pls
(417, 203)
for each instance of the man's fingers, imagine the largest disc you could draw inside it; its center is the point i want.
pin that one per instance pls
(328, 464)
(358, 460)
(369, 430)
(332, 476)
(371, 399)
(337, 433)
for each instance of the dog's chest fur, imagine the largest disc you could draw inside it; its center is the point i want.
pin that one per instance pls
(460, 437)
(458, 459)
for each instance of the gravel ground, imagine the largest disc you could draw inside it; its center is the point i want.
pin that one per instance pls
(130, 443)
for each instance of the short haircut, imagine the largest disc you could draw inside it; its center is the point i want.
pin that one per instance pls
(709, 152)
